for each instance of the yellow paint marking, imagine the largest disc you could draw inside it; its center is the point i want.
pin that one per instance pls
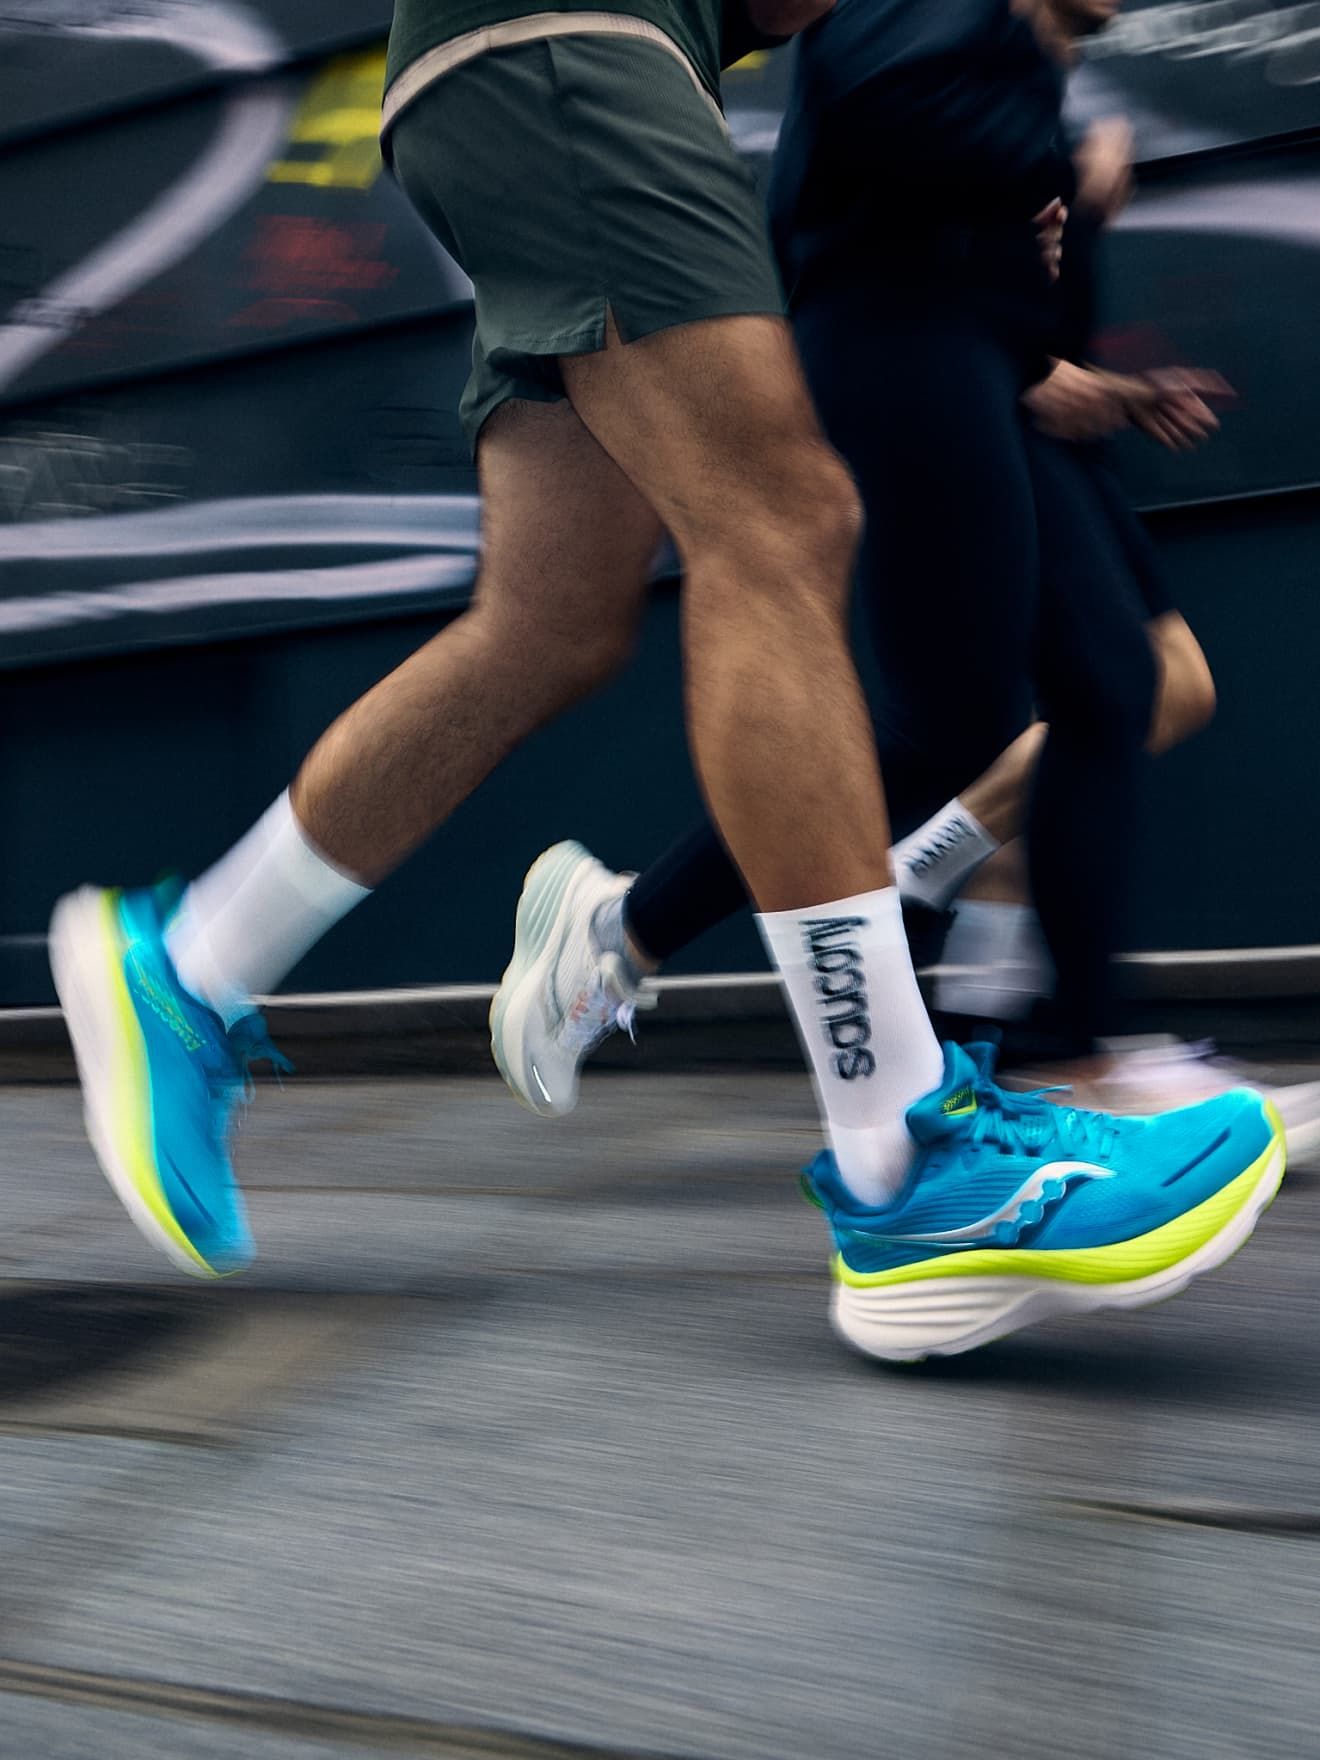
(338, 122)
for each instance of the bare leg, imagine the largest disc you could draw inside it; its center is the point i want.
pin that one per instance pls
(709, 426)
(998, 797)
(1003, 879)
(1185, 697)
(567, 544)
(713, 423)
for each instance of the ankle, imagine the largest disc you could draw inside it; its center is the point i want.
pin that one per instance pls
(611, 934)
(637, 954)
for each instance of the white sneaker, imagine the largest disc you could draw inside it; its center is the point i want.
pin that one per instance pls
(561, 995)
(1174, 1072)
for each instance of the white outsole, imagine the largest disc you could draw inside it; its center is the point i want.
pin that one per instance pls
(942, 1317)
(78, 956)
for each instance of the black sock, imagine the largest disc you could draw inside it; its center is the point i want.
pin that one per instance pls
(690, 888)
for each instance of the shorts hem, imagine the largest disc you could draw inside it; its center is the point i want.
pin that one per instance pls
(515, 386)
(591, 339)
(762, 307)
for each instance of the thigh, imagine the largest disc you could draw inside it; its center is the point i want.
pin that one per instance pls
(567, 541)
(577, 178)
(711, 420)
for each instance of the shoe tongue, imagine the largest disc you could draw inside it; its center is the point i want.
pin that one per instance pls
(946, 1110)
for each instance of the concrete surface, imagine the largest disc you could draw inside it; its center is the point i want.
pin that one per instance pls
(530, 1441)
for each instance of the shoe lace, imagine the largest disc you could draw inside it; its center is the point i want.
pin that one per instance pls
(1027, 1124)
(597, 1012)
(250, 1042)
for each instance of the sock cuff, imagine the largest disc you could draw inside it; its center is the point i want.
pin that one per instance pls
(944, 831)
(931, 863)
(959, 807)
(321, 883)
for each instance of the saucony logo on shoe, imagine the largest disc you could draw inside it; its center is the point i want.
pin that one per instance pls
(960, 1104)
(1003, 1227)
(841, 981)
(163, 1005)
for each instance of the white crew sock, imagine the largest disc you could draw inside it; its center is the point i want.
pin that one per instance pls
(863, 1027)
(1000, 957)
(250, 919)
(940, 856)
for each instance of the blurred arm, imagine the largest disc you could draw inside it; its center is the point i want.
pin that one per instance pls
(1169, 406)
(1075, 403)
(1104, 168)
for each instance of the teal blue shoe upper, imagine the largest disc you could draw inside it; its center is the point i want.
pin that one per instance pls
(992, 1169)
(198, 1074)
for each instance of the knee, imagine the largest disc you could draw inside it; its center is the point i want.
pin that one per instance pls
(792, 538)
(554, 662)
(825, 515)
(822, 520)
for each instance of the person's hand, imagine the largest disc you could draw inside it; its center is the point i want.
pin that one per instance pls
(1049, 224)
(1171, 405)
(1104, 167)
(785, 18)
(1077, 403)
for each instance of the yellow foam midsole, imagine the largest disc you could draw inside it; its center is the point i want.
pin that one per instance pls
(1119, 1262)
(130, 1120)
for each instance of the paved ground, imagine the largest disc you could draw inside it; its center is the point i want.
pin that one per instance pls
(529, 1440)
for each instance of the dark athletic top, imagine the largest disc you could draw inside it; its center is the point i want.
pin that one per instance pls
(921, 138)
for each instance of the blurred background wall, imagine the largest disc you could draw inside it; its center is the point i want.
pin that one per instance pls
(233, 490)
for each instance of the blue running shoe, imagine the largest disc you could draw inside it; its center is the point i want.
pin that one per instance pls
(161, 1076)
(1018, 1210)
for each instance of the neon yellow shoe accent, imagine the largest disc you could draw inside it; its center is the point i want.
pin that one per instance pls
(959, 1105)
(1119, 1262)
(131, 1085)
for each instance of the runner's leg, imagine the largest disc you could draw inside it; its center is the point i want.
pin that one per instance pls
(712, 421)
(567, 541)
(550, 620)
(1097, 690)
